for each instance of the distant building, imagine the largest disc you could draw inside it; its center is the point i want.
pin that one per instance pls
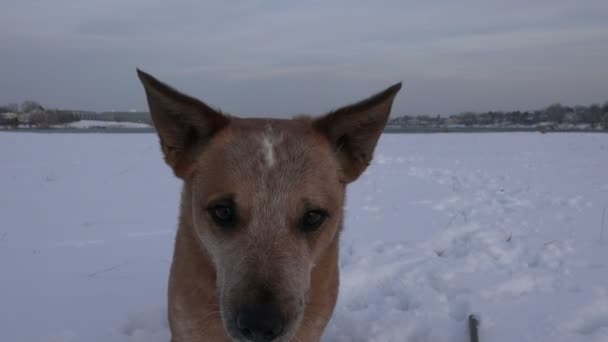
(9, 116)
(570, 117)
(25, 118)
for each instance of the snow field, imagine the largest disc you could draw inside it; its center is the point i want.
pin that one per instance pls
(506, 226)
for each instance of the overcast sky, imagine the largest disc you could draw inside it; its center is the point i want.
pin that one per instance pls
(285, 57)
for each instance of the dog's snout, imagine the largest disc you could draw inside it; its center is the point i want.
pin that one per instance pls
(260, 323)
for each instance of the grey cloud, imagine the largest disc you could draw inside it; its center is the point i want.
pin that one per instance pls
(105, 27)
(274, 57)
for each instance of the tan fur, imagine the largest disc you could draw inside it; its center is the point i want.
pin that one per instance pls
(274, 171)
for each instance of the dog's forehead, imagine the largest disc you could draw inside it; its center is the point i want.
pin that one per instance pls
(284, 155)
(273, 144)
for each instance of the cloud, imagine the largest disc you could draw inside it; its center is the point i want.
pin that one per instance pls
(111, 27)
(212, 46)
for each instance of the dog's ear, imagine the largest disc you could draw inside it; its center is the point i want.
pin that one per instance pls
(184, 124)
(354, 131)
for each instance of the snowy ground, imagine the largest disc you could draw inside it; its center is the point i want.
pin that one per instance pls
(506, 226)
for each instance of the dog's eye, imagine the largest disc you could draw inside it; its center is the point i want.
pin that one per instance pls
(224, 215)
(312, 220)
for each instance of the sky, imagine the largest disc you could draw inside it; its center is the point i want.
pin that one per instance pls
(279, 58)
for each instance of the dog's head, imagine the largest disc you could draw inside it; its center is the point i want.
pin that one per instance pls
(267, 197)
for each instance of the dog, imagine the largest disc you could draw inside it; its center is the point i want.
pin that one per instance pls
(262, 207)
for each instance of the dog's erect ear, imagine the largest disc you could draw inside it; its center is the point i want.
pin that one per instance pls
(354, 131)
(184, 124)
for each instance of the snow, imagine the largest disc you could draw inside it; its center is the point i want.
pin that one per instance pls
(106, 124)
(506, 226)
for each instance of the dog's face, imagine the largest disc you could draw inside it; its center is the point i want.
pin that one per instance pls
(267, 197)
(267, 200)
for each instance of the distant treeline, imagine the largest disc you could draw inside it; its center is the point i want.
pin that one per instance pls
(139, 117)
(555, 116)
(30, 114)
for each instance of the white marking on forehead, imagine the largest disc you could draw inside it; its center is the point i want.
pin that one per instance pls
(268, 146)
(269, 141)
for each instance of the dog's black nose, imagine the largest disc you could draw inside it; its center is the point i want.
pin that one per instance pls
(260, 324)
